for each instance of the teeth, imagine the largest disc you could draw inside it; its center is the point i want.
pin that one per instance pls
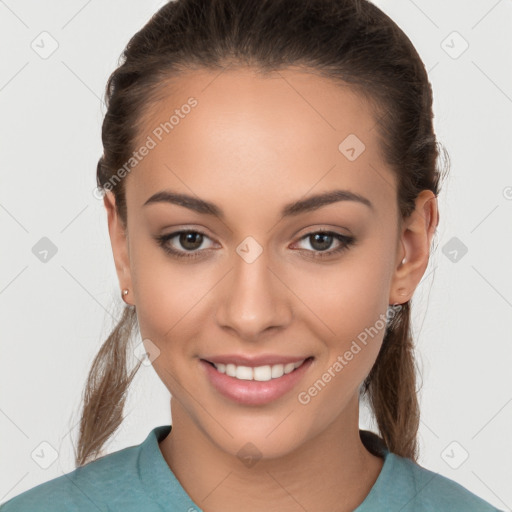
(260, 373)
(231, 370)
(243, 373)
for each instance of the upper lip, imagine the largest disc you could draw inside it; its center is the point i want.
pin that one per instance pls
(253, 361)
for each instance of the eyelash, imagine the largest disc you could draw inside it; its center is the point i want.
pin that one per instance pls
(346, 242)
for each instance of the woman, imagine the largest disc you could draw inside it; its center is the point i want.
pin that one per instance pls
(270, 182)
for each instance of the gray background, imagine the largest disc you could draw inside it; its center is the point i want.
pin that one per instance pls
(56, 314)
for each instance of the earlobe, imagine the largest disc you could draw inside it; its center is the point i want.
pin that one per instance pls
(119, 242)
(415, 239)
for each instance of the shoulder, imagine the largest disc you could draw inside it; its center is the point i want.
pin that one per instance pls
(93, 486)
(419, 489)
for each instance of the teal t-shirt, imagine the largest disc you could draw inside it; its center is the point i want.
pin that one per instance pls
(138, 479)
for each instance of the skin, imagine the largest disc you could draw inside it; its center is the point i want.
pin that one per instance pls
(251, 145)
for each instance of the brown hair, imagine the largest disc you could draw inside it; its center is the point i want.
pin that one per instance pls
(349, 41)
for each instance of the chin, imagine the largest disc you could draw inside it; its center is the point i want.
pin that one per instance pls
(268, 438)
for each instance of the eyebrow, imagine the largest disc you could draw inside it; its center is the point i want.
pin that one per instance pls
(295, 208)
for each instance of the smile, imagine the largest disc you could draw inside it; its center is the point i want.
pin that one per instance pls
(260, 373)
(254, 385)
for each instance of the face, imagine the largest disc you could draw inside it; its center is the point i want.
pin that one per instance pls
(256, 282)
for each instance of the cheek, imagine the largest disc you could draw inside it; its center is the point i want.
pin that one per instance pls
(170, 300)
(345, 298)
(169, 295)
(348, 302)
(349, 355)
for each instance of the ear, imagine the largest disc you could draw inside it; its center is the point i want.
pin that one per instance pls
(414, 245)
(119, 242)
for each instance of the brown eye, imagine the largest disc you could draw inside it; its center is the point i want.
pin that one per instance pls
(190, 240)
(188, 243)
(321, 241)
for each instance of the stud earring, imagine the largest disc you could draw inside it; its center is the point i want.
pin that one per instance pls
(124, 294)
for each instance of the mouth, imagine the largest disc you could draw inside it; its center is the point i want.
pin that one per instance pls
(259, 373)
(254, 385)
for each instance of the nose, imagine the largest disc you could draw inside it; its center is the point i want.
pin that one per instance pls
(253, 299)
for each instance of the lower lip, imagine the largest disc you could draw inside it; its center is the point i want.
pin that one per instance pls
(253, 392)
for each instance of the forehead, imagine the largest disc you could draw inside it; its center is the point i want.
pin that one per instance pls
(274, 138)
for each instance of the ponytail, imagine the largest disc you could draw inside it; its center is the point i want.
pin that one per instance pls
(390, 388)
(105, 391)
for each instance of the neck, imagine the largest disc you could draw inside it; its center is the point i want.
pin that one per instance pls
(332, 471)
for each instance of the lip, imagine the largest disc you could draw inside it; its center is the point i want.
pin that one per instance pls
(263, 360)
(253, 392)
